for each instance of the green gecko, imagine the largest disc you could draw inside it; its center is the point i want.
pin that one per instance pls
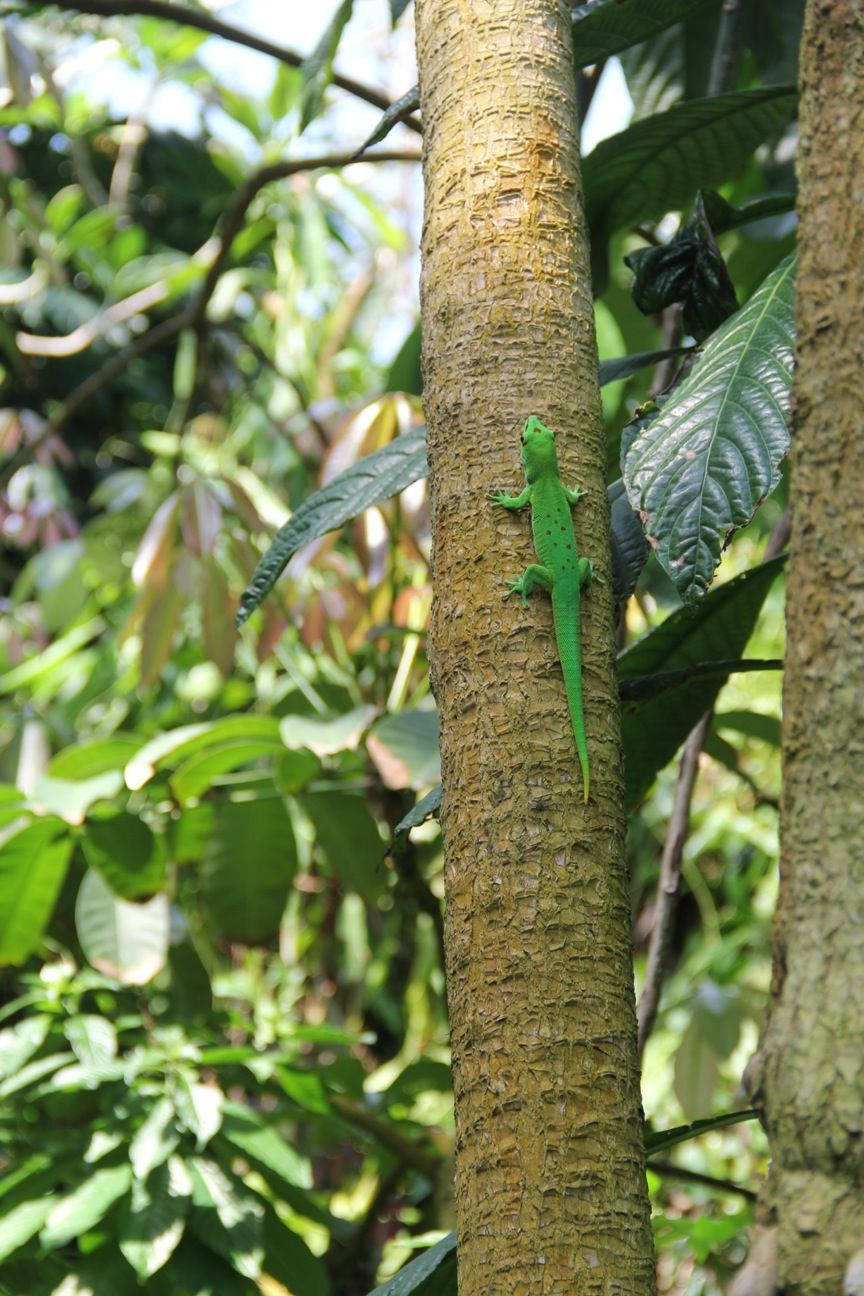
(560, 571)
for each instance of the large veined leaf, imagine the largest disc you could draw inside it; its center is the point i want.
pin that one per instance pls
(126, 941)
(247, 868)
(602, 28)
(701, 467)
(654, 729)
(33, 861)
(372, 480)
(432, 1274)
(656, 165)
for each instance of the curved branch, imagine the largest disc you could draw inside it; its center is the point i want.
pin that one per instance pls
(215, 27)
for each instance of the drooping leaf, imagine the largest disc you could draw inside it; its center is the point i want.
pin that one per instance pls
(405, 104)
(176, 744)
(754, 724)
(602, 28)
(629, 546)
(702, 466)
(657, 1141)
(260, 1142)
(317, 69)
(247, 868)
(126, 941)
(83, 1207)
(346, 833)
(654, 729)
(615, 370)
(425, 808)
(33, 862)
(370, 481)
(397, 8)
(658, 164)
(226, 1216)
(432, 1274)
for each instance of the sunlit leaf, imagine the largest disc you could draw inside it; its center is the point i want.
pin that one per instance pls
(326, 737)
(93, 1039)
(85, 1205)
(128, 942)
(153, 1223)
(155, 1140)
(33, 862)
(226, 1216)
(432, 1274)
(23, 1222)
(702, 466)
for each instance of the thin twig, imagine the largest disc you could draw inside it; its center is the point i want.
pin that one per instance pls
(670, 1171)
(203, 21)
(193, 315)
(660, 944)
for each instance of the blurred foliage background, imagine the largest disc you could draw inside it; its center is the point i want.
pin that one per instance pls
(223, 1047)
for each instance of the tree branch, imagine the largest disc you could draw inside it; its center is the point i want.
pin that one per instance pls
(670, 1171)
(193, 315)
(215, 27)
(670, 879)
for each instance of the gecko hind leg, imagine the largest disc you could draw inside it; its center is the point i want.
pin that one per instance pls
(534, 576)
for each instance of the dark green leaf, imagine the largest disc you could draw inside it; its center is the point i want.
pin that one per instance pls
(226, 1216)
(614, 370)
(661, 1140)
(432, 1274)
(658, 164)
(371, 481)
(261, 1144)
(404, 749)
(405, 373)
(397, 8)
(641, 687)
(346, 833)
(317, 69)
(702, 466)
(752, 723)
(629, 546)
(407, 103)
(602, 28)
(288, 1259)
(127, 854)
(153, 1223)
(723, 622)
(425, 808)
(247, 868)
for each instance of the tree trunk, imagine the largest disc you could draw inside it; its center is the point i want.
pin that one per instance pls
(812, 1070)
(550, 1182)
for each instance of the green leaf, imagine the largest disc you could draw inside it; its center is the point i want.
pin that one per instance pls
(179, 744)
(702, 466)
(288, 1259)
(199, 1108)
(317, 69)
(261, 1144)
(70, 799)
(405, 373)
(226, 1217)
(326, 737)
(23, 1222)
(152, 1224)
(405, 104)
(18, 1043)
(33, 862)
(404, 749)
(197, 774)
(348, 836)
(654, 729)
(85, 1205)
(397, 8)
(86, 760)
(629, 546)
(126, 941)
(127, 853)
(370, 481)
(426, 807)
(155, 1140)
(657, 1141)
(432, 1274)
(602, 28)
(93, 1039)
(615, 370)
(247, 868)
(34, 1071)
(754, 724)
(656, 165)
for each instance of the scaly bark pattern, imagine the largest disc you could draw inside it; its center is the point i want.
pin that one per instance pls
(550, 1185)
(812, 1070)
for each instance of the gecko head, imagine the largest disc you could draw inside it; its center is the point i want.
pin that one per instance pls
(538, 448)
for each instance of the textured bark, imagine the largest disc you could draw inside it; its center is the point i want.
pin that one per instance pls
(550, 1184)
(812, 1069)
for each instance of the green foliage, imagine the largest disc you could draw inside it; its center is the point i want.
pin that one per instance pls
(223, 1059)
